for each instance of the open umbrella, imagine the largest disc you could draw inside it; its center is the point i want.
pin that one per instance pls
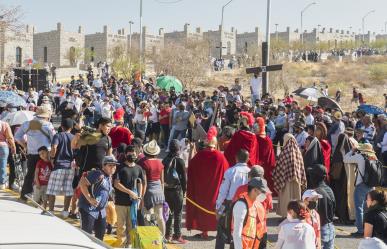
(371, 109)
(327, 102)
(166, 82)
(19, 117)
(11, 97)
(309, 93)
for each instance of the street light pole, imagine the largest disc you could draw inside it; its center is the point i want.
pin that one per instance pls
(140, 63)
(221, 29)
(363, 22)
(267, 58)
(130, 35)
(302, 16)
(276, 31)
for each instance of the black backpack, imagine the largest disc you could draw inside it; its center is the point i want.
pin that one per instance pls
(171, 177)
(373, 172)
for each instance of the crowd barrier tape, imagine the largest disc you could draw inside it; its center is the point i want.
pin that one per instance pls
(200, 207)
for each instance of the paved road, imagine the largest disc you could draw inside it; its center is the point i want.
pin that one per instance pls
(343, 240)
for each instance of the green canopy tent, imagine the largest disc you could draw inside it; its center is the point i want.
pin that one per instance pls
(166, 82)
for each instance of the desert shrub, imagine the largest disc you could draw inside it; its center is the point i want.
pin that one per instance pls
(378, 73)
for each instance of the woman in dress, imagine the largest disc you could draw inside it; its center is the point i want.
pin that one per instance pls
(289, 174)
(154, 195)
(321, 134)
(339, 179)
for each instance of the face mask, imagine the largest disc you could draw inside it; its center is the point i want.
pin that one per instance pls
(289, 217)
(261, 197)
(312, 205)
(281, 113)
(131, 158)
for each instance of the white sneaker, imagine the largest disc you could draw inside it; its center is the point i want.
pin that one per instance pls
(15, 187)
(2, 186)
(65, 214)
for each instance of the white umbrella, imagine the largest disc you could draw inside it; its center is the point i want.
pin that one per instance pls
(309, 93)
(19, 117)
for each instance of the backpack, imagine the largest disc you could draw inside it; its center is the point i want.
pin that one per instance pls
(373, 172)
(36, 125)
(171, 177)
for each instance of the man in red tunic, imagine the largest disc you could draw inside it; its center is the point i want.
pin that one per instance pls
(243, 139)
(205, 174)
(120, 134)
(265, 153)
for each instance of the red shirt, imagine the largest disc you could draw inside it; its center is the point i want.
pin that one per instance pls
(165, 112)
(152, 168)
(44, 170)
(119, 135)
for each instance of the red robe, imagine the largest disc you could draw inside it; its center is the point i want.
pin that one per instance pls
(266, 158)
(241, 140)
(326, 150)
(205, 174)
(120, 134)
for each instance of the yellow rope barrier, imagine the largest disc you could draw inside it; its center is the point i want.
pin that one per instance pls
(200, 207)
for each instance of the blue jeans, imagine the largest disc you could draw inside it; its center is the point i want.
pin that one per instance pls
(90, 224)
(89, 121)
(141, 127)
(4, 152)
(360, 195)
(328, 236)
(179, 134)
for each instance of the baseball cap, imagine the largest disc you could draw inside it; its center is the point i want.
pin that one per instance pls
(256, 170)
(110, 160)
(259, 183)
(311, 193)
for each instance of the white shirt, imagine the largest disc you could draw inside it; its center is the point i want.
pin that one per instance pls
(239, 213)
(78, 103)
(233, 178)
(309, 120)
(154, 117)
(383, 144)
(295, 234)
(358, 159)
(256, 85)
(97, 83)
(301, 138)
(106, 110)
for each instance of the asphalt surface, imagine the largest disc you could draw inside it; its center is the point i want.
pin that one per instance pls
(343, 239)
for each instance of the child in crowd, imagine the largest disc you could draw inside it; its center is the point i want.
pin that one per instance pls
(42, 175)
(310, 198)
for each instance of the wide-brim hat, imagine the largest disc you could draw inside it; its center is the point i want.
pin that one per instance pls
(367, 149)
(152, 148)
(338, 115)
(43, 112)
(349, 131)
(76, 92)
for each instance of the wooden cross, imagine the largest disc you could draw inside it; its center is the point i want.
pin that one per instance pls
(221, 50)
(264, 69)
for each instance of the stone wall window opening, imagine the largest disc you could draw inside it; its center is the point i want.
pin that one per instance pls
(246, 45)
(45, 60)
(19, 56)
(92, 54)
(72, 56)
(228, 48)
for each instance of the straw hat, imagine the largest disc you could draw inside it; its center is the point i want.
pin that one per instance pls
(337, 115)
(367, 149)
(43, 112)
(152, 148)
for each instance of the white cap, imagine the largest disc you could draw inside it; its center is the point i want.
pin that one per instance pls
(311, 193)
(374, 243)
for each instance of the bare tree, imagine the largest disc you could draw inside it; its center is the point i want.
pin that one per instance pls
(10, 17)
(189, 62)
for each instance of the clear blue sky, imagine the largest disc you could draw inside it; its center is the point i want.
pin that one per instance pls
(242, 14)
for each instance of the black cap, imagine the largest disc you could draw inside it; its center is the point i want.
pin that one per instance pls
(317, 170)
(259, 183)
(110, 160)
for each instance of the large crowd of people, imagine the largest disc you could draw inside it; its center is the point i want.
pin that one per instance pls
(140, 151)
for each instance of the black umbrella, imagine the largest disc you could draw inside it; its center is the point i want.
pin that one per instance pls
(327, 102)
